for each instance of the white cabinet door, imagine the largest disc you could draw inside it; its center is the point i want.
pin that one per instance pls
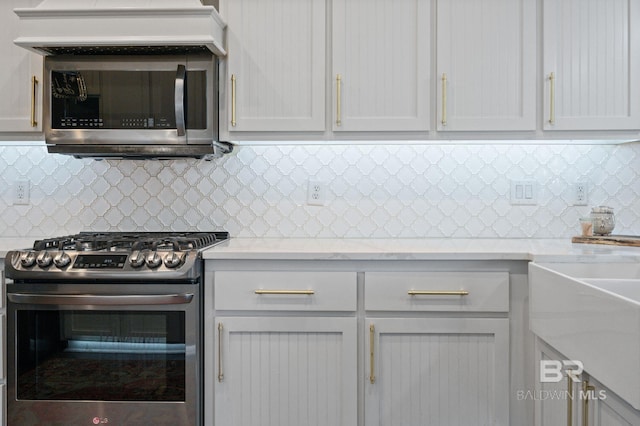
(381, 65)
(486, 62)
(607, 409)
(20, 95)
(275, 79)
(437, 371)
(557, 402)
(590, 63)
(294, 371)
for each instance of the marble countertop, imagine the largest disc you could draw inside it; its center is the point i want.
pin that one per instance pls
(542, 250)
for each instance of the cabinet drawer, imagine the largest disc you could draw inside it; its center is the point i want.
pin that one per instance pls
(285, 290)
(437, 291)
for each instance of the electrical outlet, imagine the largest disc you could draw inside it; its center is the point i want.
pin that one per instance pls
(524, 192)
(580, 194)
(21, 192)
(316, 193)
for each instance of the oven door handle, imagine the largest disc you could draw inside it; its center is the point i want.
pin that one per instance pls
(95, 299)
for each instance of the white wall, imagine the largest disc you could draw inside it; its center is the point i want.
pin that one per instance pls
(374, 191)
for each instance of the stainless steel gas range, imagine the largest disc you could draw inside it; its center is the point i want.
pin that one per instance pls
(106, 328)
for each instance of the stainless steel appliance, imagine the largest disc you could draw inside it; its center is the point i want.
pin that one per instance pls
(106, 328)
(150, 106)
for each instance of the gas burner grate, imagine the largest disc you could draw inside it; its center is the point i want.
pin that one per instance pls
(128, 241)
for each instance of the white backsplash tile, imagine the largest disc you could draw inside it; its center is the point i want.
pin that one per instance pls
(372, 191)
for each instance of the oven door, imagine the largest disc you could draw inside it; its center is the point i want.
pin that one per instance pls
(88, 354)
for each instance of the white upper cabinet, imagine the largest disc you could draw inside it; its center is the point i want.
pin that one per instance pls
(381, 65)
(486, 65)
(275, 76)
(20, 76)
(590, 64)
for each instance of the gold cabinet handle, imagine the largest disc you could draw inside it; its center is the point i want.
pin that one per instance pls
(34, 96)
(586, 389)
(233, 100)
(552, 98)
(220, 374)
(286, 292)
(438, 293)
(444, 99)
(372, 336)
(338, 100)
(569, 400)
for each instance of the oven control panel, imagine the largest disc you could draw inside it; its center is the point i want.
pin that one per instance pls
(99, 261)
(138, 264)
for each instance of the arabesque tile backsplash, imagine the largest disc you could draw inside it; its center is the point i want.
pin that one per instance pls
(375, 191)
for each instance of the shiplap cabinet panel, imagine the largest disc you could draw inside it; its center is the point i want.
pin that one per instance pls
(381, 65)
(295, 371)
(486, 49)
(437, 371)
(19, 67)
(591, 56)
(276, 54)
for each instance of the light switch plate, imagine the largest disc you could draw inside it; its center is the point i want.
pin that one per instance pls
(524, 192)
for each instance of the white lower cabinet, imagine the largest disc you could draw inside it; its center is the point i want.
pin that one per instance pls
(607, 409)
(373, 348)
(582, 401)
(282, 371)
(444, 364)
(286, 348)
(437, 371)
(555, 397)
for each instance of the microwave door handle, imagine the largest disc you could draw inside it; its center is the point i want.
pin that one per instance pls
(181, 74)
(93, 299)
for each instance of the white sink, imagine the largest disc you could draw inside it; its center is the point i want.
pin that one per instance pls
(591, 313)
(628, 289)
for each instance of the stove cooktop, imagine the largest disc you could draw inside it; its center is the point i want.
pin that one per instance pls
(114, 256)
(130, 241)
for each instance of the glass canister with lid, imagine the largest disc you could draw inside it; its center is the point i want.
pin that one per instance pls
(603, 220)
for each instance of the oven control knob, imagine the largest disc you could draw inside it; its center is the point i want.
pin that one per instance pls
(173, 259)
(44, 259)
(61, 259)
(154, 260)
(136, 259)
(28, 259)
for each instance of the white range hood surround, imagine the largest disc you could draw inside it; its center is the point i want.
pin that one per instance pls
(61, 26)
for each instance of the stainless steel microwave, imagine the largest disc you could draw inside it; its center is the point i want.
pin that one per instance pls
(141, 106)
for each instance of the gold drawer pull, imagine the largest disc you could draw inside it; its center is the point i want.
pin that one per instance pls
(220, 374)
(372, 371)
(438, 293)
(444, 99)
(233, 100)
(587, 391)
(34, 96)
(338, 100)
(287, 292)
(552, 98)
(569, 400)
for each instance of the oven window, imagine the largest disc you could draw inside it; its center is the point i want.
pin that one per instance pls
(101, 355)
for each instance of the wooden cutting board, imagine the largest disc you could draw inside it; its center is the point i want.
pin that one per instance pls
(614, 240)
